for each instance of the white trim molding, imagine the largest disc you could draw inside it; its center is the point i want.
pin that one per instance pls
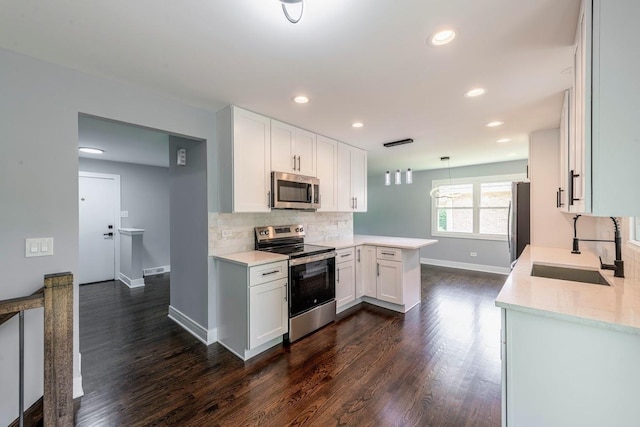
(132, 283)
(207, 337)
(156, 270)
(78, 391)
(466, 266)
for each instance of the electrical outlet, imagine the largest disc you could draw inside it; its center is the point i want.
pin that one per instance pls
(227, 233)
(473, 253)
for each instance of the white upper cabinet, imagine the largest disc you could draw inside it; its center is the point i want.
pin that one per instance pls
(327, 170)
(292, 149)
(607, 107)
(352, 179)
(244, 151)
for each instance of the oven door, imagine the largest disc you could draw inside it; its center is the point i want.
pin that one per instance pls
(311, 284)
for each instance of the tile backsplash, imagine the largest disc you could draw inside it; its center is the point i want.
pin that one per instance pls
(318, 225)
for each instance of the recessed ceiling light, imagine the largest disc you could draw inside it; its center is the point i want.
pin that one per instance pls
(503, 140)
(475, 92)
(357, 124)
(494, 124)
(442, 37)
(91, 150)
(300, 99)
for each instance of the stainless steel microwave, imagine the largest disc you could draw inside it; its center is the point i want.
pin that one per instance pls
(291, 191)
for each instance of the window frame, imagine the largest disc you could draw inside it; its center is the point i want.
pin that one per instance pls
(634, 238)
(476, 182)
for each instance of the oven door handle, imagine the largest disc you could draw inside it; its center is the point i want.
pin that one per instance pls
(312, 258)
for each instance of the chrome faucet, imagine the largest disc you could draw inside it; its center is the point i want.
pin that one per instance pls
(618, 263)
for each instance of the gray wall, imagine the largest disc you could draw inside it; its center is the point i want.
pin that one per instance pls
(39, 107)
(144, 193)
(189, 239)
(405, 210)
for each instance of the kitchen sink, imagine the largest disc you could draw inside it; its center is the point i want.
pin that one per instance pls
(572, 274)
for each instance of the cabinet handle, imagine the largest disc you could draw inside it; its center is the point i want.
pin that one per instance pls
(286, 291)
(338, 274)
(358, 255)
(377, 269)
(559, 203)
(294, 163)
(271, 272)
(388, 253)
(268, 199)
(344, 255)
(356, 202)
(572, 177)
(298, 163)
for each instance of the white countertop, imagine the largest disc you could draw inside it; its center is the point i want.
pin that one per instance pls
(252, 258)
(614, 307)
(131, 231)
(392, 242)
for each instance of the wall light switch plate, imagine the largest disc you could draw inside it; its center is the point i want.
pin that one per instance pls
(227, 233)
(473, 253)
(41, 246)
(124, 214)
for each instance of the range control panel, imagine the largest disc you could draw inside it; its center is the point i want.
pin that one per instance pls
(280, 231)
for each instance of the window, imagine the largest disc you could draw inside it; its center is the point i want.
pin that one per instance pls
(473, 207)
(634, 227)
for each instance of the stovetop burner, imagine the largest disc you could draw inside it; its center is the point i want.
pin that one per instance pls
(297, 251)
(286, 240)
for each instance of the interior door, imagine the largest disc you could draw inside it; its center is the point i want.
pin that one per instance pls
(97, 198)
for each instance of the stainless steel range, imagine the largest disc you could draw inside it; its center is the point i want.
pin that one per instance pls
(312, 287)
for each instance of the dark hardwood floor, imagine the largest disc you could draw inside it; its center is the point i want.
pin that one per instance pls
(438, 365)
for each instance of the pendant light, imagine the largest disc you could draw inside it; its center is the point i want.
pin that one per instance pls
(286, 12)
(398, 173)
(435, 193)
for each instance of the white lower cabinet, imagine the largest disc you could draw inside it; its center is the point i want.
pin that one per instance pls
(267, 312)
(345, 277)
(389, 281)
(384, 276)
(252, 306)
(567, 372)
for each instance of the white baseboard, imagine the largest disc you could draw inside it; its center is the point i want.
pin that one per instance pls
(78, 391)
(156, 270)
(132, 283)
(348, 305)
(203, 335)
(466, 266)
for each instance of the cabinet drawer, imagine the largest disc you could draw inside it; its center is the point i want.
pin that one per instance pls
(344, 255)
(390, 254)
(268, 272)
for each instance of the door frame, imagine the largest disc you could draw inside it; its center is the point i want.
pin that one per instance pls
(116, 215)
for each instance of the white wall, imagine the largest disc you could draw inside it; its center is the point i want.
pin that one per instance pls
(39, 106)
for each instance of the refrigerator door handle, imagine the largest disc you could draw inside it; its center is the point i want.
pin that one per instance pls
(509, 226)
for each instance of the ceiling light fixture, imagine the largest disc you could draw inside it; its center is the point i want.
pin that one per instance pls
(286, 12)
(300, 99)
(442, 37)
(494, 124)
(91, 150)
(503, 140)
(398, 174)
(435, 192)
(475, 92)
(357, 124)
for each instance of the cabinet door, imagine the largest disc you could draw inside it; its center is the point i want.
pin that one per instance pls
(390, 281)
(251, 161)
(268, 317)
(566, 134)
(304, 148)
(345, 201)
(369, 278)
(282, 156)
(345, 283)
(359, 179)
(327, 167)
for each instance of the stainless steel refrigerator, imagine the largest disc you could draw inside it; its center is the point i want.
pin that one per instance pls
(519, 224)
